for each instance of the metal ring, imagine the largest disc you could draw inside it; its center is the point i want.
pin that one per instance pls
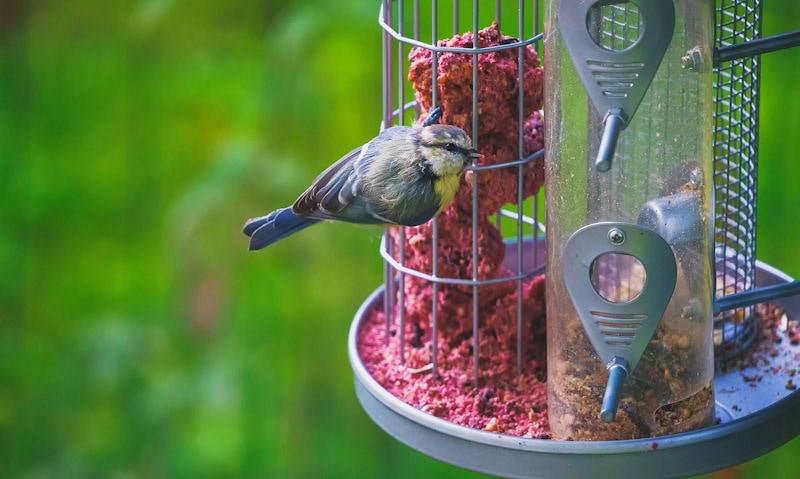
(453, 281)
(496, 48)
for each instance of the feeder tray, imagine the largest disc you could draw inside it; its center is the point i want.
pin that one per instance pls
(767, 414)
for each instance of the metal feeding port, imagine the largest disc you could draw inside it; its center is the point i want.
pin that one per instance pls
(634, 349)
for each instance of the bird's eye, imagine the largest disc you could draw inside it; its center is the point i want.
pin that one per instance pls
(450, 147)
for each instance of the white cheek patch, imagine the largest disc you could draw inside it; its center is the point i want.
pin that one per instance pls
(436, 164)
(445, 165)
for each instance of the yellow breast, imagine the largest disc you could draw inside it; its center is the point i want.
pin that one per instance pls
(446, 187)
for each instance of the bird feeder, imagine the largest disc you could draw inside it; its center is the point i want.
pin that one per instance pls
(630, 208)
(623, 335)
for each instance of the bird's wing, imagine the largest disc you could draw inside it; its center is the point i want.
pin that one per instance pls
(342, 192)
(335, 189)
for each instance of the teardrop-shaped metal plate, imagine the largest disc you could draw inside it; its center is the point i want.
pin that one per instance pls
(619, 326)
(616, 73)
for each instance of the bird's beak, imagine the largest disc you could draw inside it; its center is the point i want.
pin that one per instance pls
(473, 154)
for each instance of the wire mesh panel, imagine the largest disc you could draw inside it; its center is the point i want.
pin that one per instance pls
(735, 172)
(484, 249)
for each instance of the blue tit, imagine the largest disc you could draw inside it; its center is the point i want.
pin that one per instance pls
(404, 176)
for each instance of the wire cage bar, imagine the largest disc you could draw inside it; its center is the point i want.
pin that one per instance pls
(404, 30)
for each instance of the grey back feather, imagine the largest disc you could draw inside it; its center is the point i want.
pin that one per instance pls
(381, 182)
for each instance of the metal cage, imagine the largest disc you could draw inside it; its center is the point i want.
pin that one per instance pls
(403, 30)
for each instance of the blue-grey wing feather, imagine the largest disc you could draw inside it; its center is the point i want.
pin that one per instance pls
(343, 191)
(338, 193)
(265, 230)
(310, 201)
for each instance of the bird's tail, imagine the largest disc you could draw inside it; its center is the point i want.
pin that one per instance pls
(275, 226)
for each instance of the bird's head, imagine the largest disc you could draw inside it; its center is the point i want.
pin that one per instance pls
(446, 150)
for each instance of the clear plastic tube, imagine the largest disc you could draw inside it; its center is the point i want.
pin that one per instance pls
(661, 178)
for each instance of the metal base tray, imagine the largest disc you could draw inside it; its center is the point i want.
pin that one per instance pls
(756, 416)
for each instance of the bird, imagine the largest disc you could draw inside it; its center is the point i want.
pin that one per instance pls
(404, 176)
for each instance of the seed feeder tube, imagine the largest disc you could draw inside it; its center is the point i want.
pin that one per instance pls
(630, 214)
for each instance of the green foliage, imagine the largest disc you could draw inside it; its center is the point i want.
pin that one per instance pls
(138, 336)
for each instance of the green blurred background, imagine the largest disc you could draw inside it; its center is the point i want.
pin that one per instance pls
(138, 336)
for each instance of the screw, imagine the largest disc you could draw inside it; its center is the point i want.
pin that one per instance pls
(616, 236)
(692, 60)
